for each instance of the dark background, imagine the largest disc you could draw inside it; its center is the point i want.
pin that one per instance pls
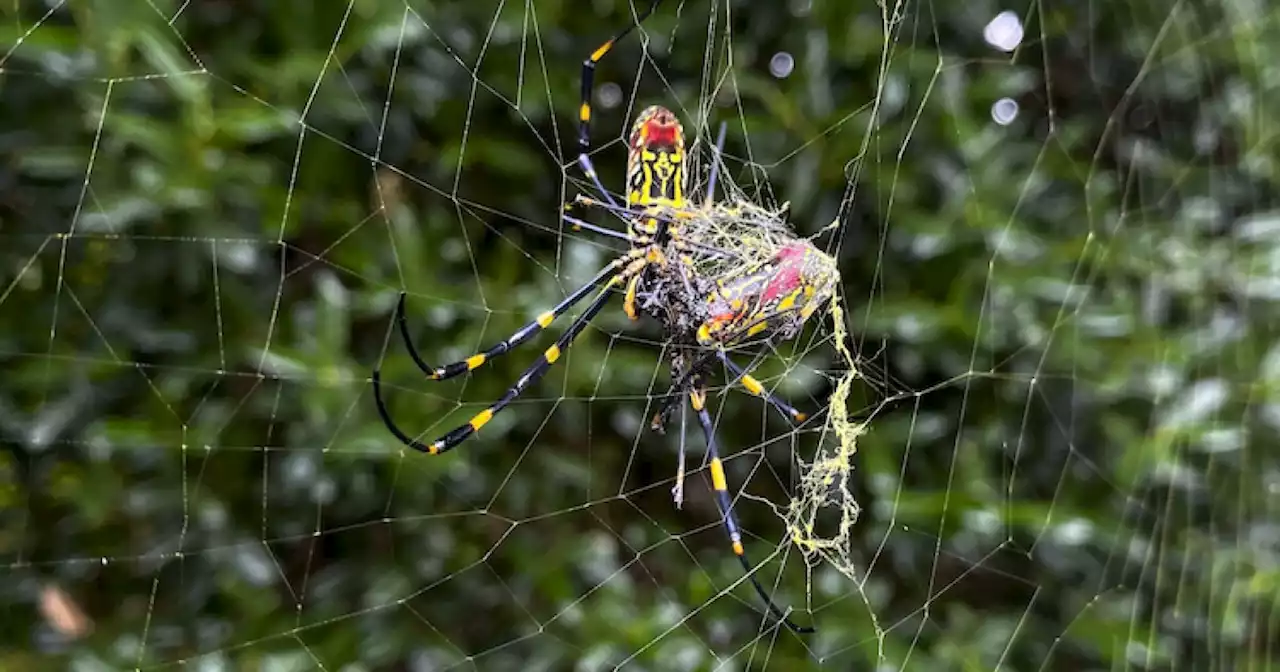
(207, 211)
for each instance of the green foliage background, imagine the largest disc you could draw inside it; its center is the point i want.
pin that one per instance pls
(207, 211)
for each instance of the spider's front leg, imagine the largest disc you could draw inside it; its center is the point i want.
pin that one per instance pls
(651, 255)
(640, 234)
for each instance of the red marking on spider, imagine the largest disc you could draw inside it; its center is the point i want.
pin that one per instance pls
(659, 135)
(789, 274)
(658, 128)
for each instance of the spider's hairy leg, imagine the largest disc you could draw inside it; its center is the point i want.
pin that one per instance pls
(757, 388)
(531, 375)
(698, 400)
(652, 255)
(528, 331)
(629, 299)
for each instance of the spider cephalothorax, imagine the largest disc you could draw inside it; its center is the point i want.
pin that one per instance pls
(656, 174)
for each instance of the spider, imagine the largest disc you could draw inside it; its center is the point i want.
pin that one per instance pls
(768, 297)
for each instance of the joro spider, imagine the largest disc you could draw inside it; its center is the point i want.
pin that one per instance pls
(767, 299)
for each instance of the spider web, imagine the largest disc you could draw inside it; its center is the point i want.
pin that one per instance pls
(1042, 402)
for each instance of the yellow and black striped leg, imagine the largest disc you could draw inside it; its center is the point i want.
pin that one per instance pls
(531, 375)
(698, 400)
(528, 331)
(588, 77)
(755, 387)
(584, 112)
(641, 257)
(683, 374)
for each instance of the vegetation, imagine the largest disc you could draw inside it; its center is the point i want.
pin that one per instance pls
(208, 211)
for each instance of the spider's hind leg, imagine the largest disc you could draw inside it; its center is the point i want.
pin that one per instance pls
(757, 388)
(682, 379)
(719, 484)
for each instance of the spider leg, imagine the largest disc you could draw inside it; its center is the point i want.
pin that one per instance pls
(684, 374)
(622, 211)
(579, 224)
(528, 331)
(626, 215)
(715, 165)
(677, 490)
(749, 382)
(589, 75)
(698, 400)
(584, 112)
(755, 387)
(589, 169)
(539, 368)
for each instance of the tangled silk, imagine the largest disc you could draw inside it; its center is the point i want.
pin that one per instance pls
(740, 252)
